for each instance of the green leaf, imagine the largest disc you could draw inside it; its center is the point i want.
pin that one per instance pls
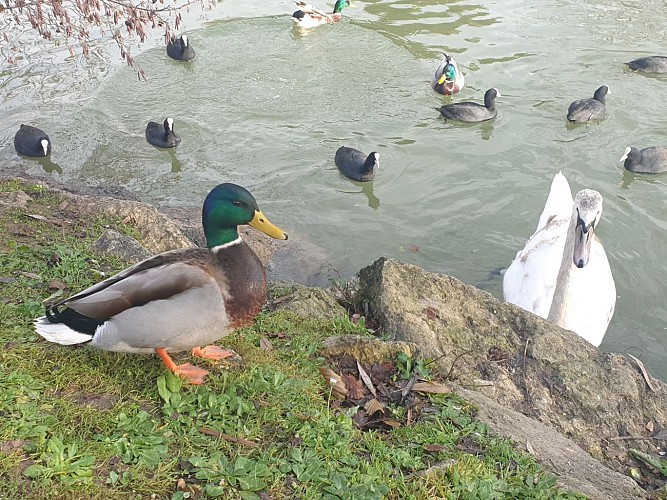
(251, 484)
(659, 464)
(162, 388)
(34, 471)
(174, 382)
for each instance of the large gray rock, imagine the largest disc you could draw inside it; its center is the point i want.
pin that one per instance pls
(518, 359)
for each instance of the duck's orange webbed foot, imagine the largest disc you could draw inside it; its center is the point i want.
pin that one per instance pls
(190, 373)
(212, 352)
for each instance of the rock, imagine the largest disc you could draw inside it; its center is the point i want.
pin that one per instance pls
(518, 359)
(368, 350)
(17, 199)
(304, 301)
(157, 232)
(116, 244)
(576, 470)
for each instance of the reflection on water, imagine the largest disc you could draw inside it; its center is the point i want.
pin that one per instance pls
(366, 190)
(270, 116)
(48, 166)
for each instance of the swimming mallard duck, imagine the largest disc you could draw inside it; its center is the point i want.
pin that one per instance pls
(447, 78)
(310, 17)
(177, 300)
(562, 274)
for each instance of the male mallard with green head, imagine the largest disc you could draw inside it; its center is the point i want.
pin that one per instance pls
(177, 300)
(310, 17)
(447, 78)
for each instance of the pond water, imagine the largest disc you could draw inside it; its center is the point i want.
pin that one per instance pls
(266, 106)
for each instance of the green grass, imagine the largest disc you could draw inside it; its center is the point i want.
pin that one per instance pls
(82, 423)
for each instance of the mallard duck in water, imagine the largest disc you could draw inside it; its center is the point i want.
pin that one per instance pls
(562, 274)
(177, 300)
(447, 79)
(309, 16)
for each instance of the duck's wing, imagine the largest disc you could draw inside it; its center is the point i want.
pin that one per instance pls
(156, 278)
(310, 9)
(439, 70)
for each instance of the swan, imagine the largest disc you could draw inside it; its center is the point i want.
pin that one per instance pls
(562, 274)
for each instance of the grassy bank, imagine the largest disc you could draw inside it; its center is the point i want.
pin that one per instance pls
(81, 423)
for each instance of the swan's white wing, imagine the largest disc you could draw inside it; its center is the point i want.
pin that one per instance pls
(559, 203)
(592, 298)
(530, 280)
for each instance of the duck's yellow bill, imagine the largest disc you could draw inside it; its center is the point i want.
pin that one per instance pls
(442, 80)
(260, 222)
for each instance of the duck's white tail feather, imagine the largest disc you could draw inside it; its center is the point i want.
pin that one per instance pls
(59, 333)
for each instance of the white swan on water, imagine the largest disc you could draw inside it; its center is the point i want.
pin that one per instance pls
(562, 274)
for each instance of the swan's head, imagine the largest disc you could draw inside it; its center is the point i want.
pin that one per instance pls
(587, 210)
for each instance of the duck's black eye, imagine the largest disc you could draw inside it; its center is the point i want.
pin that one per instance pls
(237, 203)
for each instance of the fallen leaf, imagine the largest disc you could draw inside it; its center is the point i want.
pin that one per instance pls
(435, 448)
(645, 373)
(335, 381)
(355, 318)
(355, 389)
(431, 387)
(37, 217)
(277, 335)
(265, 344)
(180, 485)
(394, 424)
(529, 448)
(413, 248)
(431, 313)
(649, 426)
(366, 379)
(31, 275)
(63, 205)
(373, 406)
(57, 285)
(231, 439)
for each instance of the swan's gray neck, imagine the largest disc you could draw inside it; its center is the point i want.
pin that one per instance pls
(559, 304)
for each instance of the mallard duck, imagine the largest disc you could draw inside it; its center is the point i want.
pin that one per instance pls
(472, 111)
(177, 300)
(650, 64)
(162, 136)
(309, 16)
(584, 110)
(447, 78)
(562, 274)
(651, 160)
(180, 49)
(31, 141)
(356, 165)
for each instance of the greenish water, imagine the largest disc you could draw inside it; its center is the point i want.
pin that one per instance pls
(267, 106)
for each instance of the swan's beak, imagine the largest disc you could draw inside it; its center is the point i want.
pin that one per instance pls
(582, 243)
